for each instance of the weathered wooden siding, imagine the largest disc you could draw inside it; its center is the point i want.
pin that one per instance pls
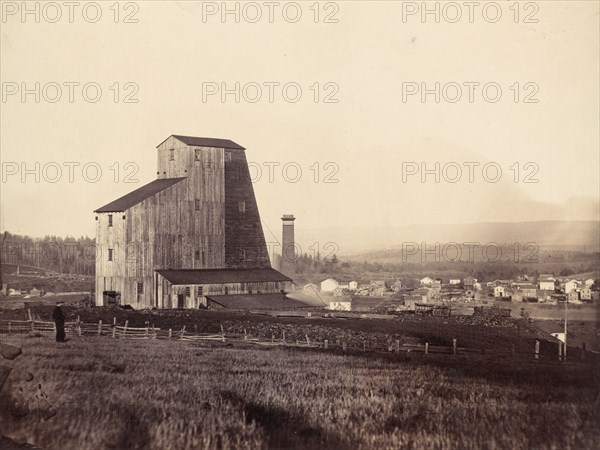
(109, 274)
(169, 293)
(193, 224)
(243, 230)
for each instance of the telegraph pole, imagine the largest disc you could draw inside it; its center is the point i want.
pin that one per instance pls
(566, 315)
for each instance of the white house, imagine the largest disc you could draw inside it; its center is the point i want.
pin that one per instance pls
(353, 285)
(329, 285)
(589, 282)
(427, 280)
(340, 306)
(571, 285)
(499, 291)
(547, 284)
(455, 281)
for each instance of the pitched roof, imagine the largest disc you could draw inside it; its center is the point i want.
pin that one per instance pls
(217, 276)
(256, 301)
(139, 195)
(207, 142)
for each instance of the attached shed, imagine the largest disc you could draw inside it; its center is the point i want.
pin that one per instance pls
(189, 288)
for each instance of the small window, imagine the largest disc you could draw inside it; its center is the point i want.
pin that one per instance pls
(140, 288)
(110, 254)
(242, 254)
(200, 293)
(188, 291)
(197, 205)
(197, 255)
(227, 156)
(242, 207)
(226, 290)
(172, 154)
(123, 217)
(197, 154)
(110, 220)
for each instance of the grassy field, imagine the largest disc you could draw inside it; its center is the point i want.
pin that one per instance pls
(113, 394)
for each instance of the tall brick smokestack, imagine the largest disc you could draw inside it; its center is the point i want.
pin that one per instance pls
(288, 252)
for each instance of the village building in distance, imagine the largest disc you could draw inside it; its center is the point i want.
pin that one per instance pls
(191, 238)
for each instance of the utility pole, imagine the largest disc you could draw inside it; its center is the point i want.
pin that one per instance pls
(566, 314)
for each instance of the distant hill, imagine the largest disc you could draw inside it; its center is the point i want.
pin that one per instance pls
(566, 235)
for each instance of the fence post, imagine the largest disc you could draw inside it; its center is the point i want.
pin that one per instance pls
(344, 345)
(272, 338)
(245, 335)
(32, 325)
(114, 331)
(29, 314)
(283, 335)
(182, 331)
(222, 333)
(170, 333)
(326, 343)
(99, 327)
(307, 340)
(537, 349)
(397, 346)
(426, 348)
(9, 327)
(78, 326)
(454, 346)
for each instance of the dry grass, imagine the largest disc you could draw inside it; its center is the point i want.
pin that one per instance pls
(173, 395)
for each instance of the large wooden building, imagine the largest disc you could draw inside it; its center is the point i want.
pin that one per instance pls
(194, 230)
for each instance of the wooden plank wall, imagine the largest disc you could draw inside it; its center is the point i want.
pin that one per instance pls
(243, 230)
(169, 292)
(167, 231)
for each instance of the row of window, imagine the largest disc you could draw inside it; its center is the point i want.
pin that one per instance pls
(197, 155)
(197, 207)
(110, 219)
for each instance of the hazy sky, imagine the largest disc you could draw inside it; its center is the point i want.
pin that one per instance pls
(171, 54)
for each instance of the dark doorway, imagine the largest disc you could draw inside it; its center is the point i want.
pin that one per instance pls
(180, 298)
(111, 297)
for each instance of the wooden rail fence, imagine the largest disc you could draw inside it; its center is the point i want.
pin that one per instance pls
(125, 332)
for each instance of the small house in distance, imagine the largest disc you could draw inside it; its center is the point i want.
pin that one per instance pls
(426, 280)
(329, 285)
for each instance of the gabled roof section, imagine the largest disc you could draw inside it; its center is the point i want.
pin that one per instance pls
(257, 301)
(217, 276)
(139, 195)
(206, 142)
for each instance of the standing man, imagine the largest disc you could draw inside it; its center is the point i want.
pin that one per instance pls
(59, 321)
